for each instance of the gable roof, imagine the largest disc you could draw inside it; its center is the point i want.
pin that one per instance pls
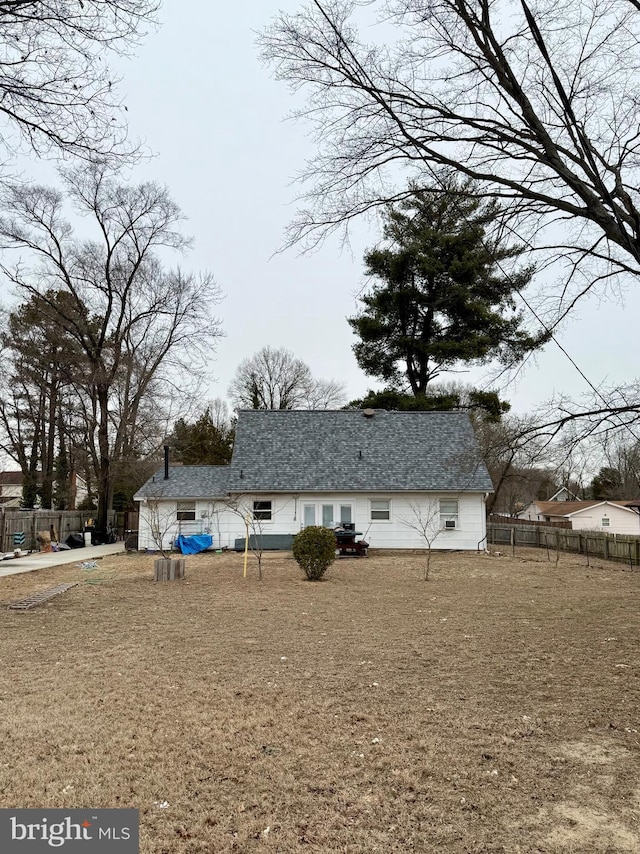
(346, 451)
(572, 508)
(186, 482)
(563, 489)
(14, 478)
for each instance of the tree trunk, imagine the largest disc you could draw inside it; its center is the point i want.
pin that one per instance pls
(49, 444)
(104, 474)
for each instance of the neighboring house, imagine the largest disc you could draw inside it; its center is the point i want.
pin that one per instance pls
(383, 472)
(614, 517)
(563, 494)
(11, 488)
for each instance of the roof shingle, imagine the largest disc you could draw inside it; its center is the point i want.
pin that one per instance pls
(186, 482)
(337, 451)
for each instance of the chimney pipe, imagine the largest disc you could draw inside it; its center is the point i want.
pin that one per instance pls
(166, 462)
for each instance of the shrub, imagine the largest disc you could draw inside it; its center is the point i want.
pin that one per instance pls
(314, 548)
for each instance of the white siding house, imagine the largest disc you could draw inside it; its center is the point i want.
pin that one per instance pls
(612, 517)
(607, 516)
(401, 478)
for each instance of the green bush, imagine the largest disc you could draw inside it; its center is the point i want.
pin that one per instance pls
(314, 548)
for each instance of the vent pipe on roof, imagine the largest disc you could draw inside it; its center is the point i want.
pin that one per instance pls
(368, 413)
(166, 462)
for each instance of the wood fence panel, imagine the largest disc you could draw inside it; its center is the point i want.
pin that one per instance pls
(29, 522)
(621, 548)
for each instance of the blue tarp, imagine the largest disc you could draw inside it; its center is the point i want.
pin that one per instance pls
(195, 544)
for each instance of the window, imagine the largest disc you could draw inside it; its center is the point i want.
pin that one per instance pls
(327, 515)
(262, 510)
(186, 511)
(380, 510)
(345, 514)
(605, 522)
(448, 513)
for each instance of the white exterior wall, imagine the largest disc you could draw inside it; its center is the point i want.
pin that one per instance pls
(226, 525)
(620, 521)
(531, 513)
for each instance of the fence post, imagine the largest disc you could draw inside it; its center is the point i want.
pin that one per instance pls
(605, 547)
(34, 530)
(513, 540)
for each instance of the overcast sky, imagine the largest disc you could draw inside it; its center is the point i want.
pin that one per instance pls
(199, 96)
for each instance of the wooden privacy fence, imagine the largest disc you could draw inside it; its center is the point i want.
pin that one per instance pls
(618, 547)
(30, 522)
(511, 520)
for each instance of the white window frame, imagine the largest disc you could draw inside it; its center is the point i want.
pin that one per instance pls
(606, 522)
(386, 510)
(185, 507)
(333, 515)
(446, 514)
(337, 507)
(259, 513)
(352, 512)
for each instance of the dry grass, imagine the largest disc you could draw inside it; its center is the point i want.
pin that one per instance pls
(491, 709)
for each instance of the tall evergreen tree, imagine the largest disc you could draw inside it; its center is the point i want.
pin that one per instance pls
(442, 295)
(203, 442)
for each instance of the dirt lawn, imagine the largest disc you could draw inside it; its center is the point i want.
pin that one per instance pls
(494, 708)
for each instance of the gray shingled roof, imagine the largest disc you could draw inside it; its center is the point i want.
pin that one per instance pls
(298, 451)
(187, 482)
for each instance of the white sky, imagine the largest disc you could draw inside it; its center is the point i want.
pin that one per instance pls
(197, 93)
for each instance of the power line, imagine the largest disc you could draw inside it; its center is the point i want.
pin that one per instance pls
(542, 47)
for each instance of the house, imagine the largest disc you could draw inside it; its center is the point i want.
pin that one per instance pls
(11, 488)
(563, 494)
(391, 475)
(614, 517)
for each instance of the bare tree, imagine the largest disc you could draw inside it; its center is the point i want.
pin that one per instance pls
(135, 324)
(538, 106)
(425, 520)
(161, 520)
(56, 91)
(273, 378)
(535, 101)
(254, 529)
(325, 394)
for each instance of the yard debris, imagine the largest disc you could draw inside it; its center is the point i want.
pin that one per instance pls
(88, 564)
(42, 596)
(162, 805)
